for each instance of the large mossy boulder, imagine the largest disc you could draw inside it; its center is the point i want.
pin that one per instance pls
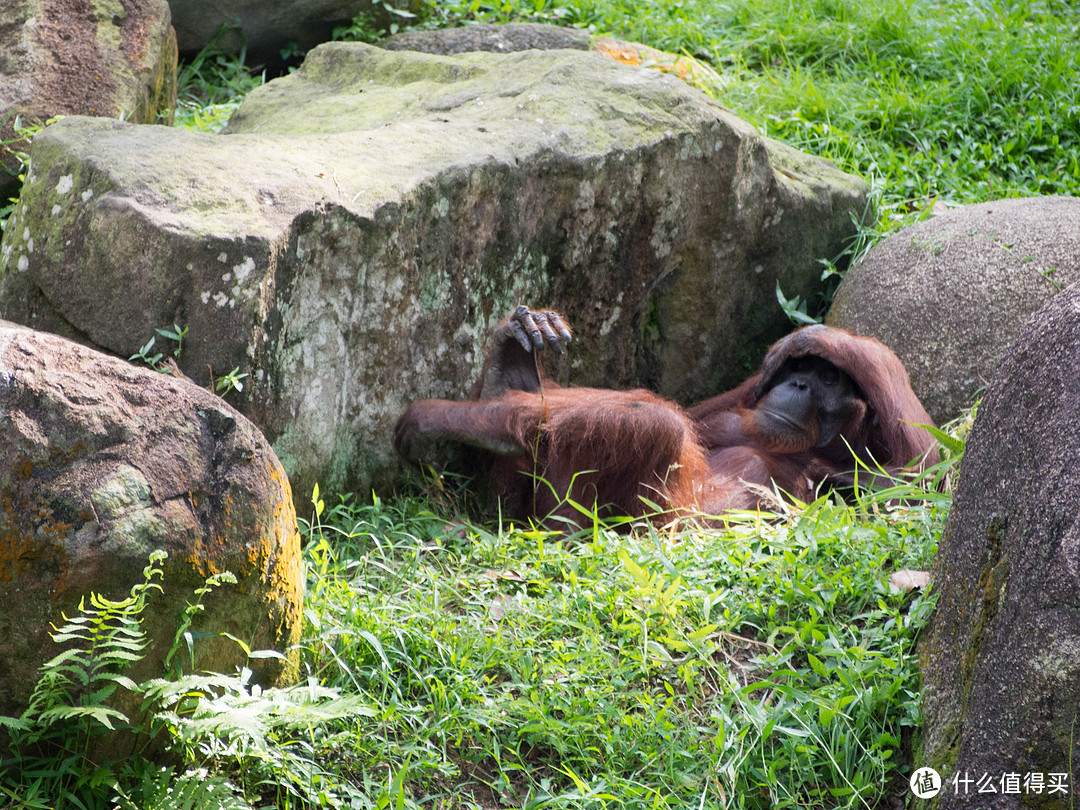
(1001, 674)
(82, 57)
(103, 462)
(366, 221)
(950, 295)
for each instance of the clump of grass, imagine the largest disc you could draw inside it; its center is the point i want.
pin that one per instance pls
(765, 665)
(211, 86)
(954, 101)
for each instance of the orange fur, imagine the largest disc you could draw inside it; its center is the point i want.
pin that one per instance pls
(614, 450)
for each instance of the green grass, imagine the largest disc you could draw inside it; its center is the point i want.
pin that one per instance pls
(210, 87)
(764, 666)
(450, 665)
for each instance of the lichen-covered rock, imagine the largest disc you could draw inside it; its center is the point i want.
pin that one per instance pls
(102, 462)
(949, 295)
(368, 219)
(1000, 669)
(72, 57)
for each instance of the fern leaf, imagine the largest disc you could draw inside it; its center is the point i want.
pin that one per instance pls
(193, 790)
(103, 714)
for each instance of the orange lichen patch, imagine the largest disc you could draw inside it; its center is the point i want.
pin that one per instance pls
(286, 576)
(254, 536)
(18, 556)
(30, 537)
(25, 467)
(277, 475)
(687, 68)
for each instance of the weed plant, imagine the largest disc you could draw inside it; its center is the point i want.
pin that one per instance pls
(765, 665)
(13, 151)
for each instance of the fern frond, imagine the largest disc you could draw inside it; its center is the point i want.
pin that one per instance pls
(101, 714)
(192, 790)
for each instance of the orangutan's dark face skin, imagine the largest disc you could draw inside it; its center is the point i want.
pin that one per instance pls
(807, 405)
